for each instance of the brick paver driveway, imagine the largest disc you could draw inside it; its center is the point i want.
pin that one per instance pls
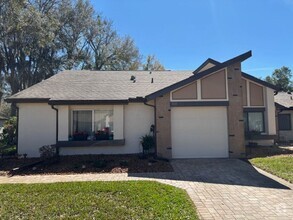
(220, 188)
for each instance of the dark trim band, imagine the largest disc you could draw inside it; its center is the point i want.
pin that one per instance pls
(261, 109)
(27, 100)
(203, 103)
(87, 102)
(90, 143)
(209, 60)
(259, 81)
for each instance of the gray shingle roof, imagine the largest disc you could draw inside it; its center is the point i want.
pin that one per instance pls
(101, 85)
(284, 99)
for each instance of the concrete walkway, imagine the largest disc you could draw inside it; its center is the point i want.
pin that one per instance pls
(220, 188)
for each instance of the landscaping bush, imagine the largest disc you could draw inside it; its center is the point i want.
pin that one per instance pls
(9, 131)
(148, 142)
(100, 163)
(47, 151)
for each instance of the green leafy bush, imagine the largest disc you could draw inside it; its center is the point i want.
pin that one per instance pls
(9, 131)
(148, 142)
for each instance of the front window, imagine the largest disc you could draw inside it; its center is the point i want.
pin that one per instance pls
(103, 124)
(82, 124)
(254, 122)
(284, 121)
(92, 125)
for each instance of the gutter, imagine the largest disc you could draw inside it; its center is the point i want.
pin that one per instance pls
(155, 129)
(57, 148)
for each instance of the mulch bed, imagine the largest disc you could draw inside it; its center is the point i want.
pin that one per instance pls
(87, 164)
(261, 151)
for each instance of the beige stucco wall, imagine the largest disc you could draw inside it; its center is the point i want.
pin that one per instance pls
(37, 127)
(256, 94)
(270, 112)
(138, 119)
(214, 86)
(63, 122)
(287, 135)
(186, 93)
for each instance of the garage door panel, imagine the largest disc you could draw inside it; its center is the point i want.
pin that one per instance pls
(199, 132)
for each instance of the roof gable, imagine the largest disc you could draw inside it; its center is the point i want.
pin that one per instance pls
(199, 75)
(206, 65)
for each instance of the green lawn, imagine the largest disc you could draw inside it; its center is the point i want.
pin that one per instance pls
(281, 166)
(95, 200)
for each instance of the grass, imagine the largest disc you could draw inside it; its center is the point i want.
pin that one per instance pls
(281, 166)
(95, 200)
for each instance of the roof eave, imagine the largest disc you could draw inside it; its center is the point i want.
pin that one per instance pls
(259, 81)
(26, 100)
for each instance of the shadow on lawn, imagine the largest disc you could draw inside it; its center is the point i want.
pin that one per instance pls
(217, 171)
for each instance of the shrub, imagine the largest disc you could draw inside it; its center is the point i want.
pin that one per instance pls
(47, 151)
(123, 163)
(9, 131)
(148, 142)
(100, 163)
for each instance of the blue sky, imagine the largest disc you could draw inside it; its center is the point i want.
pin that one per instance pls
(183, 33)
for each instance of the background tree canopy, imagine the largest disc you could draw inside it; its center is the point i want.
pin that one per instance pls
(282, 79)
(39, 38)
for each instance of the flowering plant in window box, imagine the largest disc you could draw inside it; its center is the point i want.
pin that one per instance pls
(80, 136)
(103, 134)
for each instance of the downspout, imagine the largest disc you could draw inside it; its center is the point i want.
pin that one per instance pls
(57, 147)
(155, 130)
(17, 124)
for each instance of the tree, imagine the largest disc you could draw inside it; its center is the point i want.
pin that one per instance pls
(38, 38)
(109, 50)
(152, 64)
(281, 78)
(76, 19)
(28, 52)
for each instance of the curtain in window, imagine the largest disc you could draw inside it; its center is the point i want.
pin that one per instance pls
(104, 120)
(82, 122)
(255, 121)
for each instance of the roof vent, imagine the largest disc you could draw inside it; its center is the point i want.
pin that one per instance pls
(152, 80)
(132, 77)
(150, 72)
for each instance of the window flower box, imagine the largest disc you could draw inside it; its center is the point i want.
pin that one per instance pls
(103, 134)
(80, 136)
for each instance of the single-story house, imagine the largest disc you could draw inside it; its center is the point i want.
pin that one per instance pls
(284, 109)
(210, 112)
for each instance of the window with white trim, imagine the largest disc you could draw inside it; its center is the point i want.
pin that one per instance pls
(92, 125)
(254, 122)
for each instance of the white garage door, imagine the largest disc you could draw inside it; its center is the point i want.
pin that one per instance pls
(199, 132)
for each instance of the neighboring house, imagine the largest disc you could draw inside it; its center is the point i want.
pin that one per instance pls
(284, 109)
(197, 114)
